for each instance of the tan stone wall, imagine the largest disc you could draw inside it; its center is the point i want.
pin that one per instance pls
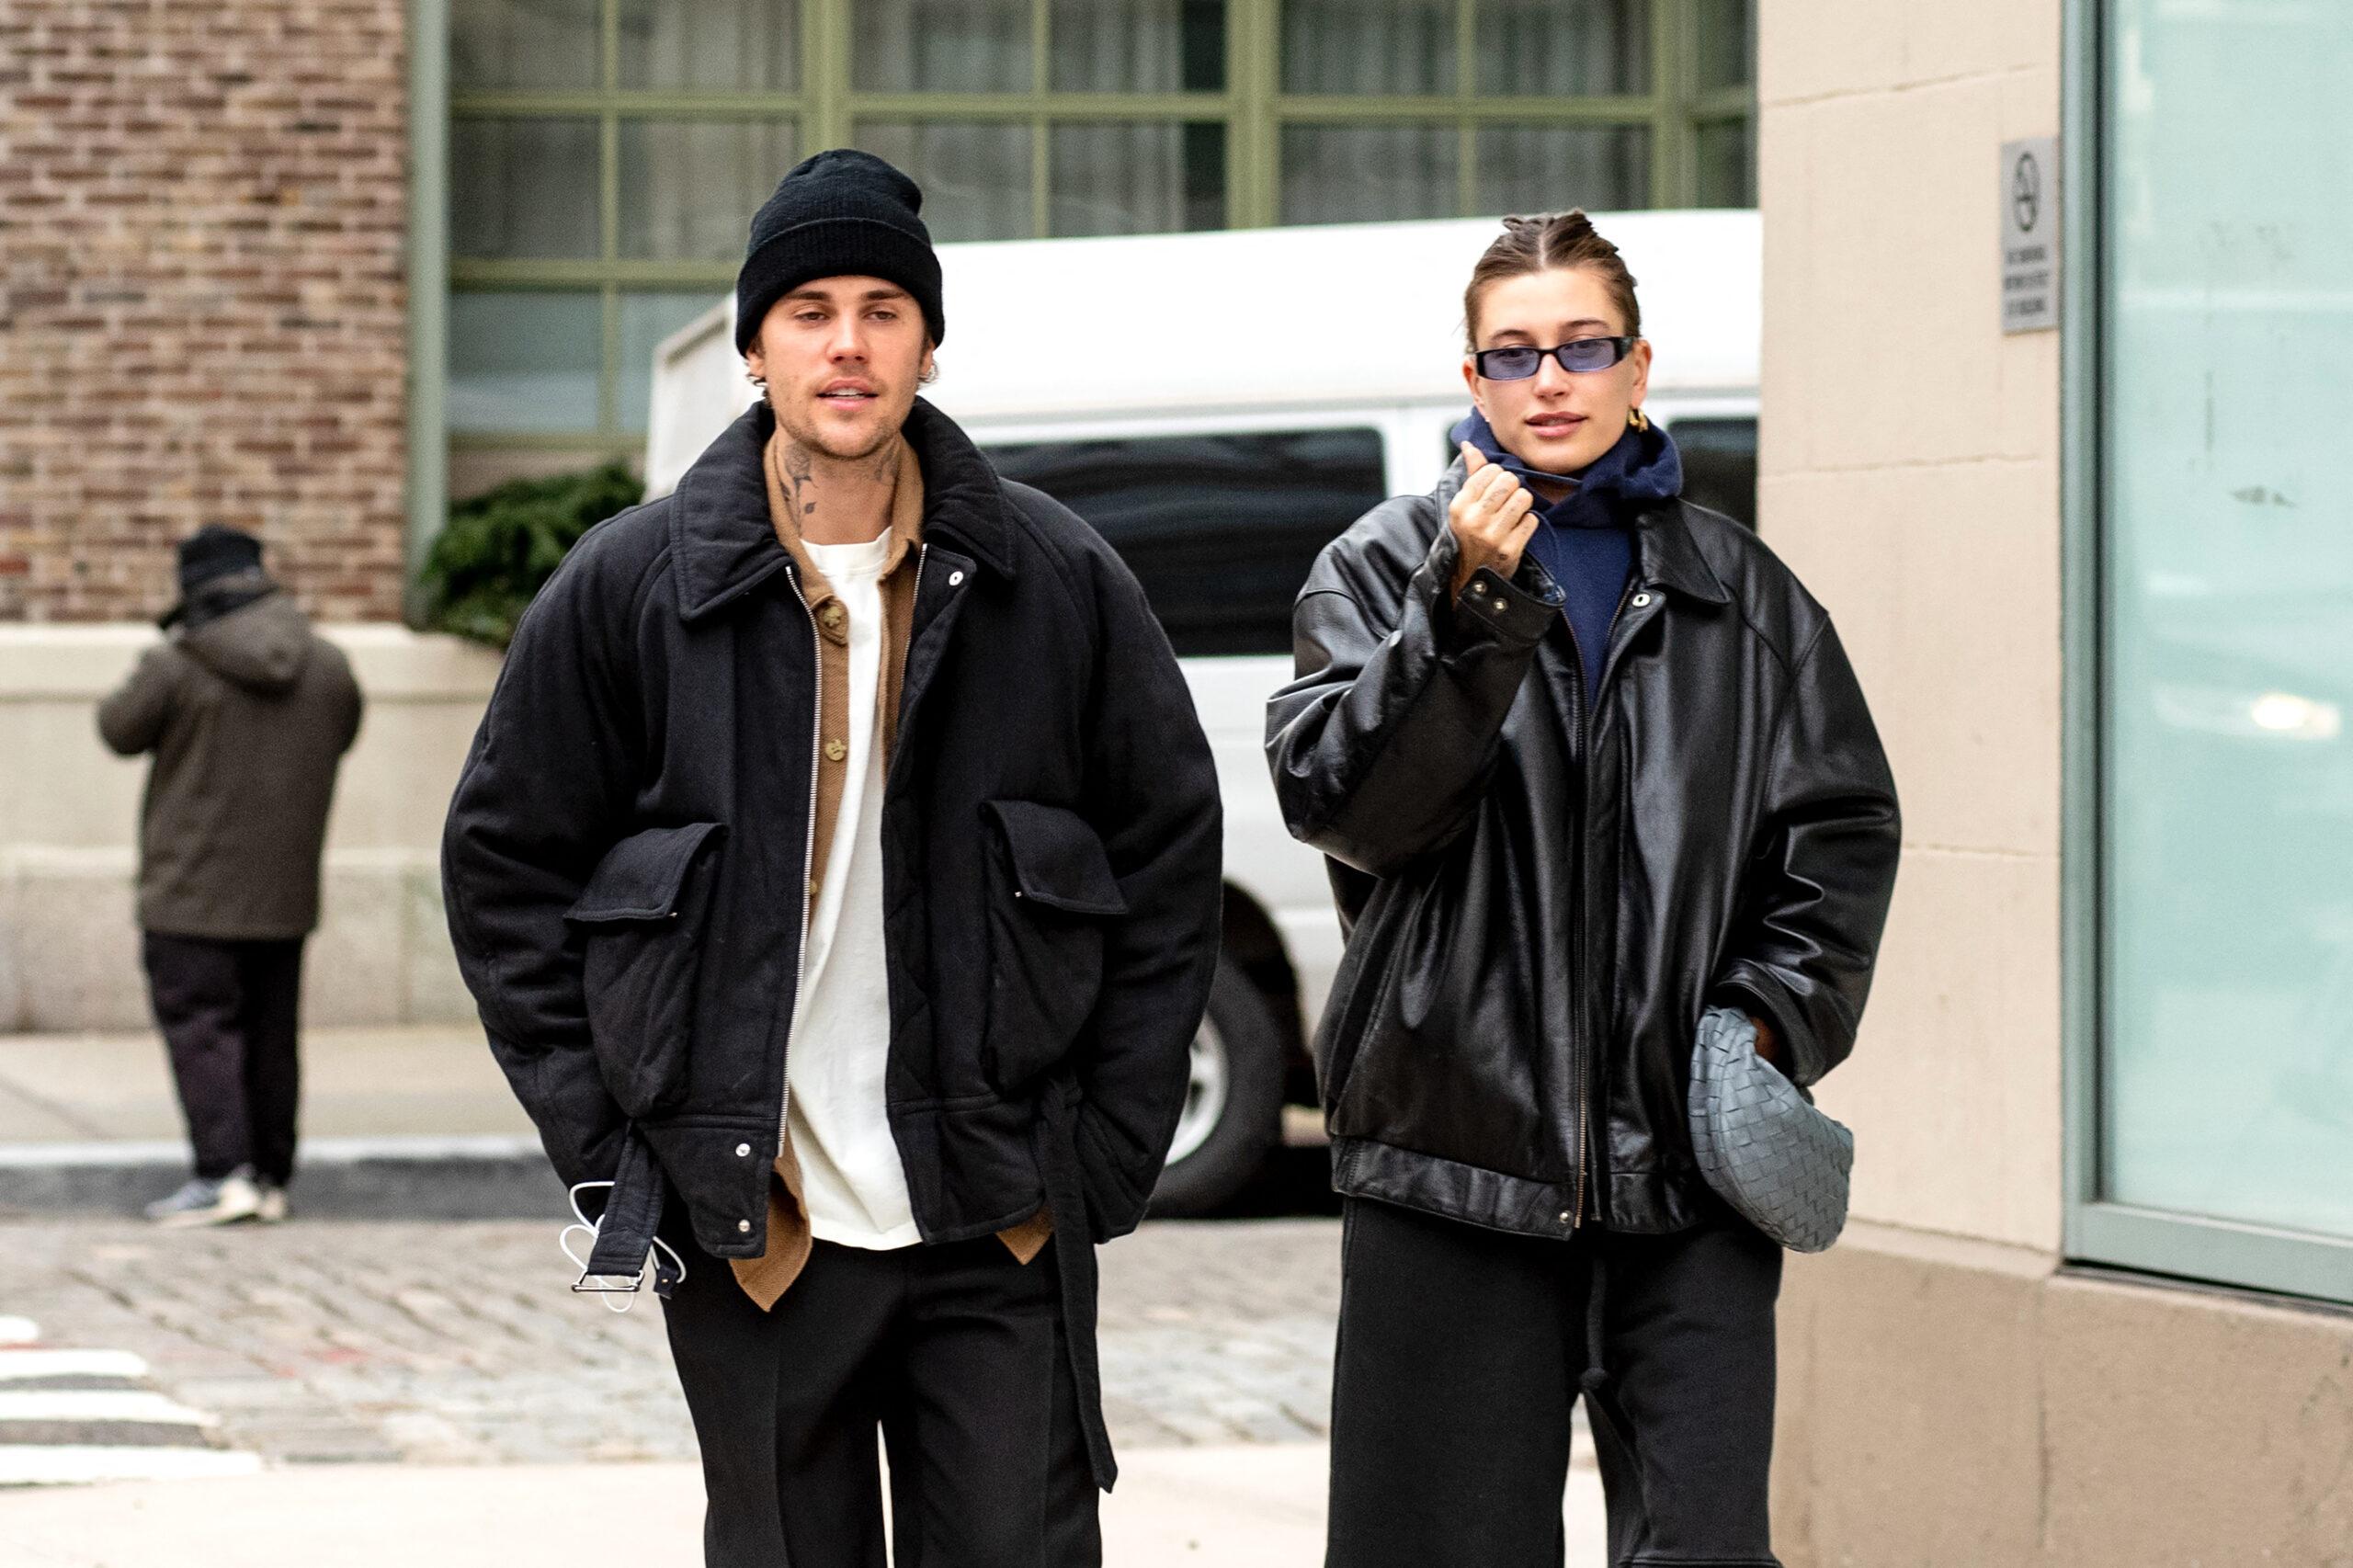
(203, 205)
(1910, 473)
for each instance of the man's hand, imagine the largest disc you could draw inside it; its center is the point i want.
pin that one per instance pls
(1492, 519)
(1769, 1045)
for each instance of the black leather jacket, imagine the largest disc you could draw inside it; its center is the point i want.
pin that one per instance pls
(1540, 900)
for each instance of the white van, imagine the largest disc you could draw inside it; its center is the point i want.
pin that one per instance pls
(1219, 405)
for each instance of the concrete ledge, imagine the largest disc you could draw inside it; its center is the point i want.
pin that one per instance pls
(337, 1178)
(1946, 1402)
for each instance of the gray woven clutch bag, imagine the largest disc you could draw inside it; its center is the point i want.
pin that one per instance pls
(1761, 1143)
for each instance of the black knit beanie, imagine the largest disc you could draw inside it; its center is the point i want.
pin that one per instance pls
(839, 214)
(215, 551)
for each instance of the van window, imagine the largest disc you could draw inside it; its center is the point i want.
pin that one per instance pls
(1220, 528)
(1719, 464)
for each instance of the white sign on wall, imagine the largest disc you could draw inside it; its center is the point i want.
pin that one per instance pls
(2030, 235)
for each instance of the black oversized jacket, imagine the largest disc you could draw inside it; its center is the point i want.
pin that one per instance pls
(627, 853)
(1541, 900)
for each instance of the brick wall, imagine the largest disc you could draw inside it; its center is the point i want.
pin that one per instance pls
(202, 307)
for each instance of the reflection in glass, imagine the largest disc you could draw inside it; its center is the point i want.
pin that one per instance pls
(2227, 818)
(1726, 33)
(1219, 529)
(646, 319)
(1563, 48)
(1136, 179)
(1345, 174)
(688, 187)
(541, 45)
(1547, 168)
(943, 46)
(975, 176)
(1137, 46)
(719, 45)
(1719, 465)
(523, 187)
(1727, 163)
(523, 361)
(1368, 46)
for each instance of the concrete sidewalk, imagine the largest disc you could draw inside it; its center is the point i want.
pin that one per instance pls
(411, 1122)
(1241, 1506)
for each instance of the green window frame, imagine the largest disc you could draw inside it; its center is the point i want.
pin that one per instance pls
(1701, 88)
(2099, 1230)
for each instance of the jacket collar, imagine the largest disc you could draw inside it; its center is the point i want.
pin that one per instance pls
(1665, 556)
(724, 544)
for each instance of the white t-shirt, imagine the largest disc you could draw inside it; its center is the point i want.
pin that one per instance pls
(851, 1177)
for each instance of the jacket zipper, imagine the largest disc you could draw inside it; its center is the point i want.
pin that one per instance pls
(808, 859)
(1584, 879)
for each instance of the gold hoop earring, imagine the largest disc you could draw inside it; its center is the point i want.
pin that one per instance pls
(1638, 419)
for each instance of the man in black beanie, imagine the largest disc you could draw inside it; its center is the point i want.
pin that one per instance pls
(837, 870)
(248, 713)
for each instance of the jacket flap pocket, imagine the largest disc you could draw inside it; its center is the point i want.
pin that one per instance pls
(640, 877)
(1058, 860)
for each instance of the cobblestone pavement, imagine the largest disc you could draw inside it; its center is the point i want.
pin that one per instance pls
(456, 1343)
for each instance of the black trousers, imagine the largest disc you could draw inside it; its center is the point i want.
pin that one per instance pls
(954, 1353)
(230, 1012)
(1462, 1351)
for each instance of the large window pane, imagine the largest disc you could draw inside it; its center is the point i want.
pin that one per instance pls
(530, 44)
(688, 187)
(1343, 173)
(2227, 821)
(1137, 46)
(1726, 31)
(1137, 179)
(523, 187)
(1727, 163)
(1564, 48)
(1527, 168)
(975, 176)
(950, 46)
(523, 361)
(645, 320)
(725, 45)
(1219, 529)
(1368, 46)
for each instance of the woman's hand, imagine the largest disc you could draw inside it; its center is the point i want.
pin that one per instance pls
(1493, 518)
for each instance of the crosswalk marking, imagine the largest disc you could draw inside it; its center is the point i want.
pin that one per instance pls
(22, 1366)
(71, 1415)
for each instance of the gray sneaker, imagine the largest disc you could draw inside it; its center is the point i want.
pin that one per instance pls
(201, 1202)
(272, 1209)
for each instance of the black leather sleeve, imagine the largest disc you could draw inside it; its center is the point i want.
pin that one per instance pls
(1383, 744)
(1822, 870)
(545, 790)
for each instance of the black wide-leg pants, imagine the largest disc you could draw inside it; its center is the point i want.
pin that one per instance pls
(1463, 1350)
(955, 1354)
(231, 1012)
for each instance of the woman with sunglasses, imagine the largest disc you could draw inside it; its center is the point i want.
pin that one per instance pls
(1587, 761)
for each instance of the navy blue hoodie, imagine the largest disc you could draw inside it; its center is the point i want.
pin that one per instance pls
(1585, 541)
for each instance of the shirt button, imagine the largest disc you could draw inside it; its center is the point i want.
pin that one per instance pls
(832, 615)
(1640, 599)
(835, 751)
(742, 1149)
(743, 1224)
(1567, 1218)
(954, 578)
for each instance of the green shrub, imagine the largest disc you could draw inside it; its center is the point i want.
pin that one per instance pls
(499, 547)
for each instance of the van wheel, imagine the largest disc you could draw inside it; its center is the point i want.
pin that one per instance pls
(1234, 1104)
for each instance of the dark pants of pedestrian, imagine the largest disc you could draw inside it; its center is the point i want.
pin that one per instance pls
(954, 1353)
(230, 1012)
(1462, 1351)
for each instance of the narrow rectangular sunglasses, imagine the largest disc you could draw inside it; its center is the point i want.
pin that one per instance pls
(1580, 355)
